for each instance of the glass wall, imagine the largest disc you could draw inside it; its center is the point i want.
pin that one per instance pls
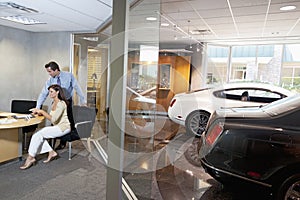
(152, 79)
(254, 63)
(149, 81)
(291, 67)
(217, 64)
(91, 60)
(243, 63)
(141, 123)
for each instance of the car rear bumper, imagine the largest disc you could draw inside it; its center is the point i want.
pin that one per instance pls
(227, 177)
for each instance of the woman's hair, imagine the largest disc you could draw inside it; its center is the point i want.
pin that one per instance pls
(61, 94)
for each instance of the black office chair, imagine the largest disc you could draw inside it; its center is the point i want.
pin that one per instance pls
(84, 118)
(22, 107)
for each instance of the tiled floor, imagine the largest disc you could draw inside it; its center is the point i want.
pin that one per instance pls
(155, 166)
(154, 169)
(159, 168)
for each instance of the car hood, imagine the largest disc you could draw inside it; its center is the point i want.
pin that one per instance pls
(244, 112)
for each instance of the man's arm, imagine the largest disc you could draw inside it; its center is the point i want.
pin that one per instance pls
(78, 90)
(43, 95)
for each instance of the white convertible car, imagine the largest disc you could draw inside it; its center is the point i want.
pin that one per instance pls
(193, 109)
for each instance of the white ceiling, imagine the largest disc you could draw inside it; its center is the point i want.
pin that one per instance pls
(61, 15)
(216, 20)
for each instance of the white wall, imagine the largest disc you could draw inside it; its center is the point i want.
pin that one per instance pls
(23, 55)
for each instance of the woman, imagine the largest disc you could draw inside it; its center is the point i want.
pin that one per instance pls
(61, 126)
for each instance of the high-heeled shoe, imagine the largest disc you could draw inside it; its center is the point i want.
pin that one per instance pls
(28, 163)
(51, 158)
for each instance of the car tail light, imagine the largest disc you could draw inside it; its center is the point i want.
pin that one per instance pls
(172, 102)
(214, 133)
(254, 174)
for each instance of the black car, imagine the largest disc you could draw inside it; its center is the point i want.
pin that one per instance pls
(256, 146)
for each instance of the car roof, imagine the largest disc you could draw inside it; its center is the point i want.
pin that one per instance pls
(282, 105)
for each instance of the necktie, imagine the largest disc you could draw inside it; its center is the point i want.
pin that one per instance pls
(58, 81)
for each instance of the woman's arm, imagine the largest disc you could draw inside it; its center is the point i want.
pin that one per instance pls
(60, 107)
(41, 112)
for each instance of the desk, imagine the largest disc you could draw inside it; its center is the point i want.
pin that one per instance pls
(11, 136)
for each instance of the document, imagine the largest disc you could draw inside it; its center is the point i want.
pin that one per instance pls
(7, 121)
(26, 116)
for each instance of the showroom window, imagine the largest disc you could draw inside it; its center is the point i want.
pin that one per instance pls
(247, 63)
(252, 63)
(291, 67)
(217, 62)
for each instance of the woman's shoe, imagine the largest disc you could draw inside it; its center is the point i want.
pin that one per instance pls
(51, 158)
(28, 164)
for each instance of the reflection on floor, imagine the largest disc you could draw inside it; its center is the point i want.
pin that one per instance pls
(164, 166)
(155, 167)
(172, 176)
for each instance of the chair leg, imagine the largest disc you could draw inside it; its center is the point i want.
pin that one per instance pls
(53, 141)
(89, 144)
(25, 141)
(70, 150)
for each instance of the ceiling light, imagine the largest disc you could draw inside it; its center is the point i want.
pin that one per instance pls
(200, 32)
(16, 7)
(287, 8)
(164, 24)
(151, 18)
(92, 50)
(22, 20)
(93, 39)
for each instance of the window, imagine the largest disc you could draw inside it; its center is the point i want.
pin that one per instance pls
(217, 62)
(255, 95)
(291, 67)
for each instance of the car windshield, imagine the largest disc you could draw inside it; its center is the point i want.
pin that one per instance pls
(282, 105)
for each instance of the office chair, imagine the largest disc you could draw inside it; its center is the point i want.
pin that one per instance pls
(22, 107)
(84, 118)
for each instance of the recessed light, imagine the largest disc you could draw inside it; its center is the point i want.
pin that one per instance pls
(151, 18)
(287, 8)
(93, 39)
(23, 20)
(164, 24)
(200, 32)
(92, 50)
(16, 8)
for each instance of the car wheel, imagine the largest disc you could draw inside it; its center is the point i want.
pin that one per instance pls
(192, 152)
(196, 122)
(289, 189)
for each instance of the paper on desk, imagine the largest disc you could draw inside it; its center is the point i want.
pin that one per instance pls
(26, 116)
(7, 121)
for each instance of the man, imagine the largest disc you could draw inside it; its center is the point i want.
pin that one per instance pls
(68, 82)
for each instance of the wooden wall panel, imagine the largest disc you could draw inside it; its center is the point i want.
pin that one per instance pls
(179, 78)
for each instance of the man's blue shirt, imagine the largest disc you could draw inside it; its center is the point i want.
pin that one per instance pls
(68, 83)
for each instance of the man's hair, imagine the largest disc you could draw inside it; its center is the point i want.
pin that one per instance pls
(53, 65)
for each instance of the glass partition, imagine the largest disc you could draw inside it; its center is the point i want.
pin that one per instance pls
(153, 77)
(141, 124)
(150, 86)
